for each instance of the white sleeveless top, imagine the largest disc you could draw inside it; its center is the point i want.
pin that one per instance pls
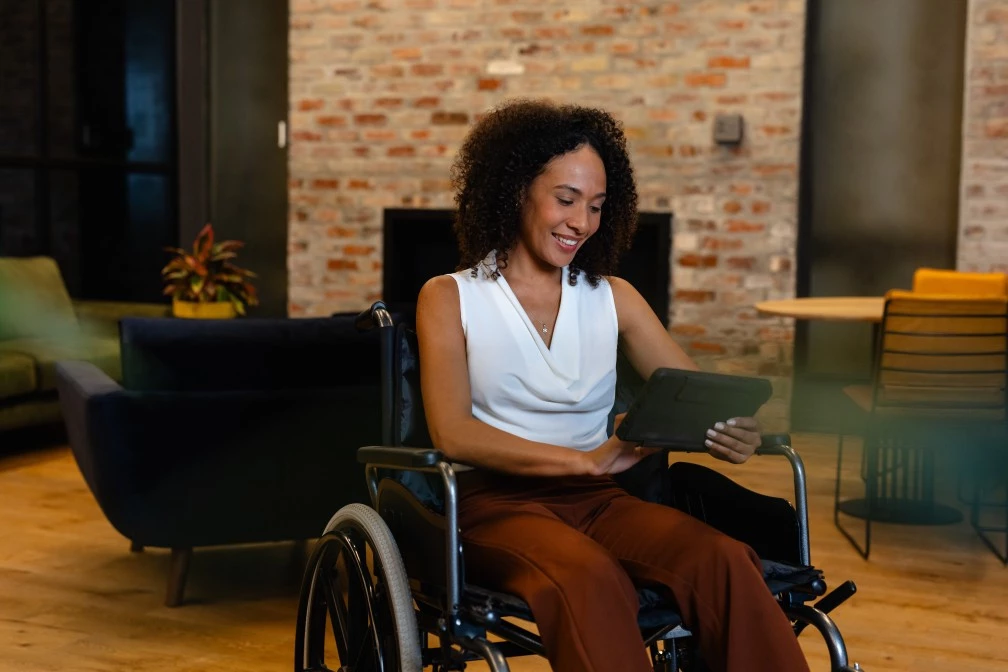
(561, 394)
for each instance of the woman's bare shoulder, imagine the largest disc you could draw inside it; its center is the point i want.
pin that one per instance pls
(625, 295)
(439, 294)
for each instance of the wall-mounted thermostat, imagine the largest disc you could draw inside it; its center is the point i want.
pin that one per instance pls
(728, 129)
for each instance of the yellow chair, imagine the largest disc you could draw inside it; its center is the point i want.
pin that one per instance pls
(942, 281)
(940, 373)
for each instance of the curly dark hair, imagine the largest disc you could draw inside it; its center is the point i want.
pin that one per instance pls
(507, 149)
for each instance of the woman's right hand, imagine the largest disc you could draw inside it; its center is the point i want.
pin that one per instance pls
(616, 455)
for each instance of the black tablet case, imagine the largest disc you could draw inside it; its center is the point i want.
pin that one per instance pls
(675, 408)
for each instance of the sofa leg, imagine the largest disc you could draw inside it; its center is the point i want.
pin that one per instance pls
(177, 575)
(135, 547)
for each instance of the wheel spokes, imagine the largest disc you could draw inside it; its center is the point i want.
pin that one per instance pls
(355, 602)
(337, 613)
(363, 592)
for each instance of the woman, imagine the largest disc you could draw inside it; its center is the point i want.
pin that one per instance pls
(519, 351)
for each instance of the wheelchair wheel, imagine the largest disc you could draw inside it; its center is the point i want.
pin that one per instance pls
(356, 604)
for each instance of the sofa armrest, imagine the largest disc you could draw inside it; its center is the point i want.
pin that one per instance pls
(80, 385)
(101, 318)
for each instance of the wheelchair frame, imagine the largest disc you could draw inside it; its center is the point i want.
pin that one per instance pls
(464, 624)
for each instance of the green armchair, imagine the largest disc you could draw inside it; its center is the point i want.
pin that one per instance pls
(40, 325)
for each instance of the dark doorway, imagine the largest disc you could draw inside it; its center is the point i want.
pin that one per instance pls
(247, 143)
(880, 174)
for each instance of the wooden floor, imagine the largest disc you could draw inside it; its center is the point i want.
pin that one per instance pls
(72, 596)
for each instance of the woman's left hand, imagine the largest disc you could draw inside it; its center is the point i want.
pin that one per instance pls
(735, 440)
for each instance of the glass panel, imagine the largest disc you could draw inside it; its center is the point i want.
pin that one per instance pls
(19, 77)
(62, 100)
(64, 227)
(151, 229)
(18, 232)
(126, 78)
(126, 220)
(149, 54)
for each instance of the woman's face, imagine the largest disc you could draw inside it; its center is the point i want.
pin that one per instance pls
(562, 207)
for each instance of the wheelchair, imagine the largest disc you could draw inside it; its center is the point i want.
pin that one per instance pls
(385, 589)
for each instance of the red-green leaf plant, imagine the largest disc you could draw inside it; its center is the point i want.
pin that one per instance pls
(208, 273)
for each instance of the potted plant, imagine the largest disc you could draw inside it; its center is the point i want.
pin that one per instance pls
(205, 283)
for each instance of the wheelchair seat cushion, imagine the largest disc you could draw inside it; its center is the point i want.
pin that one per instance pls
(656, 611)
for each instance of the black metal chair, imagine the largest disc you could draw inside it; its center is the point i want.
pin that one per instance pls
(387, 579)
(938, 387)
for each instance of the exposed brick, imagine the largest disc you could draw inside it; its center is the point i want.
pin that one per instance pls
(721, 244)
(325, 183)
(693, 296)
(388, 103)
(708, 79)
(441, 118)
(996, 128)
(708, 347)
(370, 119)
(741, 263)
(402, 151)
(743, 226)
(698, 261)
(489, 84)
(407, 54)
(984, 168)
(728, 62)
(426, 69)
(331, 120)
(341, 265)
(688, 330)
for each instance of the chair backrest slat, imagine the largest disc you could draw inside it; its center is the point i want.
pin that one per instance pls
(943, 356)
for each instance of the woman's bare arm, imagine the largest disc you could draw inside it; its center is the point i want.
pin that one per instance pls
(649, 346)
(643, 338)
(444, 381)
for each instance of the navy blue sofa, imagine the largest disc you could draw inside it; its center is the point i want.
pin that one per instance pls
(225, 432)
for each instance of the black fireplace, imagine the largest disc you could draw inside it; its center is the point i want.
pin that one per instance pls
(419, 244)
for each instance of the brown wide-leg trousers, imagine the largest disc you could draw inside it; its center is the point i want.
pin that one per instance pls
(574, 548)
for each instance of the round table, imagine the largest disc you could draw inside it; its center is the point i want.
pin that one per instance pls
(849, 308)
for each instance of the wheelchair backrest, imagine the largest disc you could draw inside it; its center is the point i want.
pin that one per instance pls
(409, 424)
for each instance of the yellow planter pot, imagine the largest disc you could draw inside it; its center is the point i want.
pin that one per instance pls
(217, 310)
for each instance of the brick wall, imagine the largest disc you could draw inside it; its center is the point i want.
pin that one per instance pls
(383, 91)
(983, 214)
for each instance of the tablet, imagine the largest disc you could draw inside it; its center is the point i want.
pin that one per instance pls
(675, 408)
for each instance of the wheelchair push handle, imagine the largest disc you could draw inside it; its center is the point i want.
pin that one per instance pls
(377, 315)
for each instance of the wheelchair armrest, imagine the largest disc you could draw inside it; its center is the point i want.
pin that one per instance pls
(429, 460)
(398, 457)
(773, 444)
(780, 444)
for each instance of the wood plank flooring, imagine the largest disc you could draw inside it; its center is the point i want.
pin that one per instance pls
(72, 596)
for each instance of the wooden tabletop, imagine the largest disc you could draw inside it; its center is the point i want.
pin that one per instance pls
(851, 308)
